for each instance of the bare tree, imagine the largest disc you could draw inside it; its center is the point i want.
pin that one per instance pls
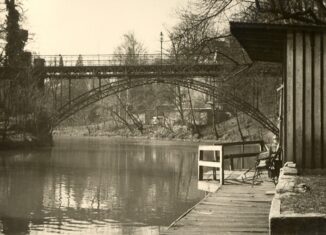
(293, 11)
(130, 52)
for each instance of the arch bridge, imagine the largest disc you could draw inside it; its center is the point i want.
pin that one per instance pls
(124, 72)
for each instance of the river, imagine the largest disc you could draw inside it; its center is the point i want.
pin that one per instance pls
(97, 186)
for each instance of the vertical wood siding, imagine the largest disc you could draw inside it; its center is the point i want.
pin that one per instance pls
(289, 99)
(308, 114)
(317, 103)
(323, 99)
(298, 92)
(305, 113)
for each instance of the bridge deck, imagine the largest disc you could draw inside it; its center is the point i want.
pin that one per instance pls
(236, 208)
(133, 71)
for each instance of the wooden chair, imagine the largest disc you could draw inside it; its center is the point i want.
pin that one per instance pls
(270, 161)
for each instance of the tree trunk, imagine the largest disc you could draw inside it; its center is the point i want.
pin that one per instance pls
(241, 135)
(180, 105)
(214, 117)
(192, 114)
(124, 121)
(134, 119)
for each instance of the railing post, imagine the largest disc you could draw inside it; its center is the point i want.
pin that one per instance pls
(231, 164)
(222, 167)
(200, 168)
(214, 169)
(212, 164)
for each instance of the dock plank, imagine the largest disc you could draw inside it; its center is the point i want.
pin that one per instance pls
(233, 209)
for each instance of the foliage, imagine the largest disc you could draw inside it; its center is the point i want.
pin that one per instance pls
(290, 11)
(23, 104)
(16, 37)
(193, 42)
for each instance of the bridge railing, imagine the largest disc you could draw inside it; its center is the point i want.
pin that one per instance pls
(122, 59)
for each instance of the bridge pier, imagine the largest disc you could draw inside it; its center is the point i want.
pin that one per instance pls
(39, 72)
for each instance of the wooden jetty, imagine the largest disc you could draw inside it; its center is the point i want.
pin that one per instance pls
(234, 205)
(235, 208)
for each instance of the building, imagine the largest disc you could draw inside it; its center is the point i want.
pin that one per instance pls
(302, 51)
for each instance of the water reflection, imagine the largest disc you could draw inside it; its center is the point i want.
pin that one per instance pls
(97, 186)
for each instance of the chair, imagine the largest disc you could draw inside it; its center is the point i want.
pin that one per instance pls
(270, 161)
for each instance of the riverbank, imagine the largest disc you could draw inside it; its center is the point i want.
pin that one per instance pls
(228, 131)
(26, 141)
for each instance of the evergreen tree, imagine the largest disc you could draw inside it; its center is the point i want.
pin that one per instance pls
(16, 37)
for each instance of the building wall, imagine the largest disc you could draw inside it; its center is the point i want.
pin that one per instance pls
(305, 102)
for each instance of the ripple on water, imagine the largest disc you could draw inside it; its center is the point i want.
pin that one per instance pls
(97, 186)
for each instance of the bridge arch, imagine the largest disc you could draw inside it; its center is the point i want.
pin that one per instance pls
(99, 93)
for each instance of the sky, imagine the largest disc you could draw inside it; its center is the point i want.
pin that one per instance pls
(71, 27)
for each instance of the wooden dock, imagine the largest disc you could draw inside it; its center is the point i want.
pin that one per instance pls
(235, 208)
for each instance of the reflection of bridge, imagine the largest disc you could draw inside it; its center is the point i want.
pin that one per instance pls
(117, 73)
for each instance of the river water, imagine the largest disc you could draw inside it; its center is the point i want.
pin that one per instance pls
(97, 186)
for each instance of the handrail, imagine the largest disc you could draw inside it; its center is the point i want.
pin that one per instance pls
(122, 59)
(241, 142)
(243, 154)
(218, 163)
(219, 149)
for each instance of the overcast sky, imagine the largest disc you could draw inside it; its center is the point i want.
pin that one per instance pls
(96, 26)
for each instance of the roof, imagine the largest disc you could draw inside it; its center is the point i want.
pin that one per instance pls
(266, 42)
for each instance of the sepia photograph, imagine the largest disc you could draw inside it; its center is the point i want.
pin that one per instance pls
(172, 117)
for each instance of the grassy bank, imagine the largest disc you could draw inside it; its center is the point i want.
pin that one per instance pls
(228, 131)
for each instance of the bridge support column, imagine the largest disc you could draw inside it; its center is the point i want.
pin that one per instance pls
(69, 90)
(39, 72)
(61, 90)
(55, 94)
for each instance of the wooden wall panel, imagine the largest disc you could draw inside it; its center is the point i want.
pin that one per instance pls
(289, 153)
(298, 109)
(317, 103)
(308, 103)
(324, 100)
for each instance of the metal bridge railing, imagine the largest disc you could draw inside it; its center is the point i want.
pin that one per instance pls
(123, 59)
